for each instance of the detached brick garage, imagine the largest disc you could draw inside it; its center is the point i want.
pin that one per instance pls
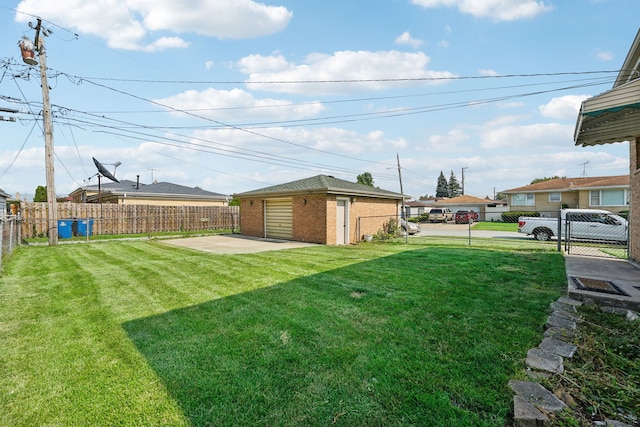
(321, 209)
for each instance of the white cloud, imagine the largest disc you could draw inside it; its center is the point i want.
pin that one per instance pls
(604, 55)
(208, 65)
(497, 10)
(405, 38)
(563, 108)
(327, 139)
(125, 24)
(370, 68)
(238, 105)
(491, 73)
(526, 137)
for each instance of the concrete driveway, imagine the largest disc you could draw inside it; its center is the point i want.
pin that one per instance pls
(235, 244)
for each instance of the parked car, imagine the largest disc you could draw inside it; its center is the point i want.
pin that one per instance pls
(409, 227)
(464, 216)
(589, 224)
(440, 215)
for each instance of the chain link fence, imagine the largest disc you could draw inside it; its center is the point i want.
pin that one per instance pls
(593, 234)
(10, 235)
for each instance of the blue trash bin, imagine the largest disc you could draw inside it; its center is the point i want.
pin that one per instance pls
(81, 227)
(64, 228)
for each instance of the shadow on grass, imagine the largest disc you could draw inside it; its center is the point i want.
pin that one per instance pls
(412, 338)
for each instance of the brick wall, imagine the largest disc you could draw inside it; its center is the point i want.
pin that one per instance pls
(373, 213)
(310, 219)
(252, 217)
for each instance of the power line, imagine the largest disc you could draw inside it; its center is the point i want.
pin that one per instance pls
(382, 80)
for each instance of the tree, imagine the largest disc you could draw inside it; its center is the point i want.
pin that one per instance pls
(501, 196)
(41, 194)
(454, 186)
(365, 178)
(537, 180)
(442, 190)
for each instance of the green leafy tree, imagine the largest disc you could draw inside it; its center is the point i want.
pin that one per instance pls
(41, 194)
(501, 196)
(537, 180)
(365, 178)
(234, 202)
(454, 186)
(442, 190)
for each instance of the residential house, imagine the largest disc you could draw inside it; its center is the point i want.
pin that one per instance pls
(613, 116)
(3, 203)
(487, 209)
(320, 209)
(157, 193)
(417, 207)
(602, 192)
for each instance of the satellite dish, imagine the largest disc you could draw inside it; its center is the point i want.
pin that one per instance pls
(104, 172)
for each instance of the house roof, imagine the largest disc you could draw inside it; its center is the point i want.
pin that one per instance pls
(613, 116)
(572, 184)
(321, 184)
(163, 189)
(4, 195)
(417, 204)
(466, 200)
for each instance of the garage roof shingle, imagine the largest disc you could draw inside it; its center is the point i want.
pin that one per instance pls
(321, 184)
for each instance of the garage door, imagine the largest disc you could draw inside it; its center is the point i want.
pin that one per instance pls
(279, 219)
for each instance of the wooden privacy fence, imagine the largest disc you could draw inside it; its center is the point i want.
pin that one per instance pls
(128, 219)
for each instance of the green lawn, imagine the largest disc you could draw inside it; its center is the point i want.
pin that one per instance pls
(139, 333)
(497, 226)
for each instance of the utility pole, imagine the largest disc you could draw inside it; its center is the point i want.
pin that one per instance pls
(52, 213)
(463, 179)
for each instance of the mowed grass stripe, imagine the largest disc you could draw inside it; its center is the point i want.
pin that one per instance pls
(139, 333)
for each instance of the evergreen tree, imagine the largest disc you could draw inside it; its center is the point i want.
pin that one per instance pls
(442, 190)
(454, 186)
(365, 178)
(41, 194)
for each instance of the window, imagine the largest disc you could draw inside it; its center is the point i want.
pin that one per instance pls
(609, 198)
(555, 197)
(523, 199)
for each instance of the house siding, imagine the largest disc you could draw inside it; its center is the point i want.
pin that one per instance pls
(544, 205)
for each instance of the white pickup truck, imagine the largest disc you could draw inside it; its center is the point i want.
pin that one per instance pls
(591, 224)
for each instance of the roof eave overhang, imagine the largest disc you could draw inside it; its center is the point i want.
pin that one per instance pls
(333, 191)
(612, 116)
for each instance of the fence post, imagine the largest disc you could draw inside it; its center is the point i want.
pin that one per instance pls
(559, 233)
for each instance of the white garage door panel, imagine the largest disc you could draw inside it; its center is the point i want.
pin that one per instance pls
(279, 219)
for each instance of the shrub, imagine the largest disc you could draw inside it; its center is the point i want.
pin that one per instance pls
(512, 216)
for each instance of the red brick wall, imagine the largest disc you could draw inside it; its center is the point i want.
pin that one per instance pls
(252, 217)
(373, 214)
(310, 219)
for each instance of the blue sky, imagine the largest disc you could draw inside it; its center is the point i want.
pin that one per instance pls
(235, 95)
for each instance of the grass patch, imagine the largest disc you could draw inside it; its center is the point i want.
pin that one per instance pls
(495, 226)
(140, 333)
(603, 376)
